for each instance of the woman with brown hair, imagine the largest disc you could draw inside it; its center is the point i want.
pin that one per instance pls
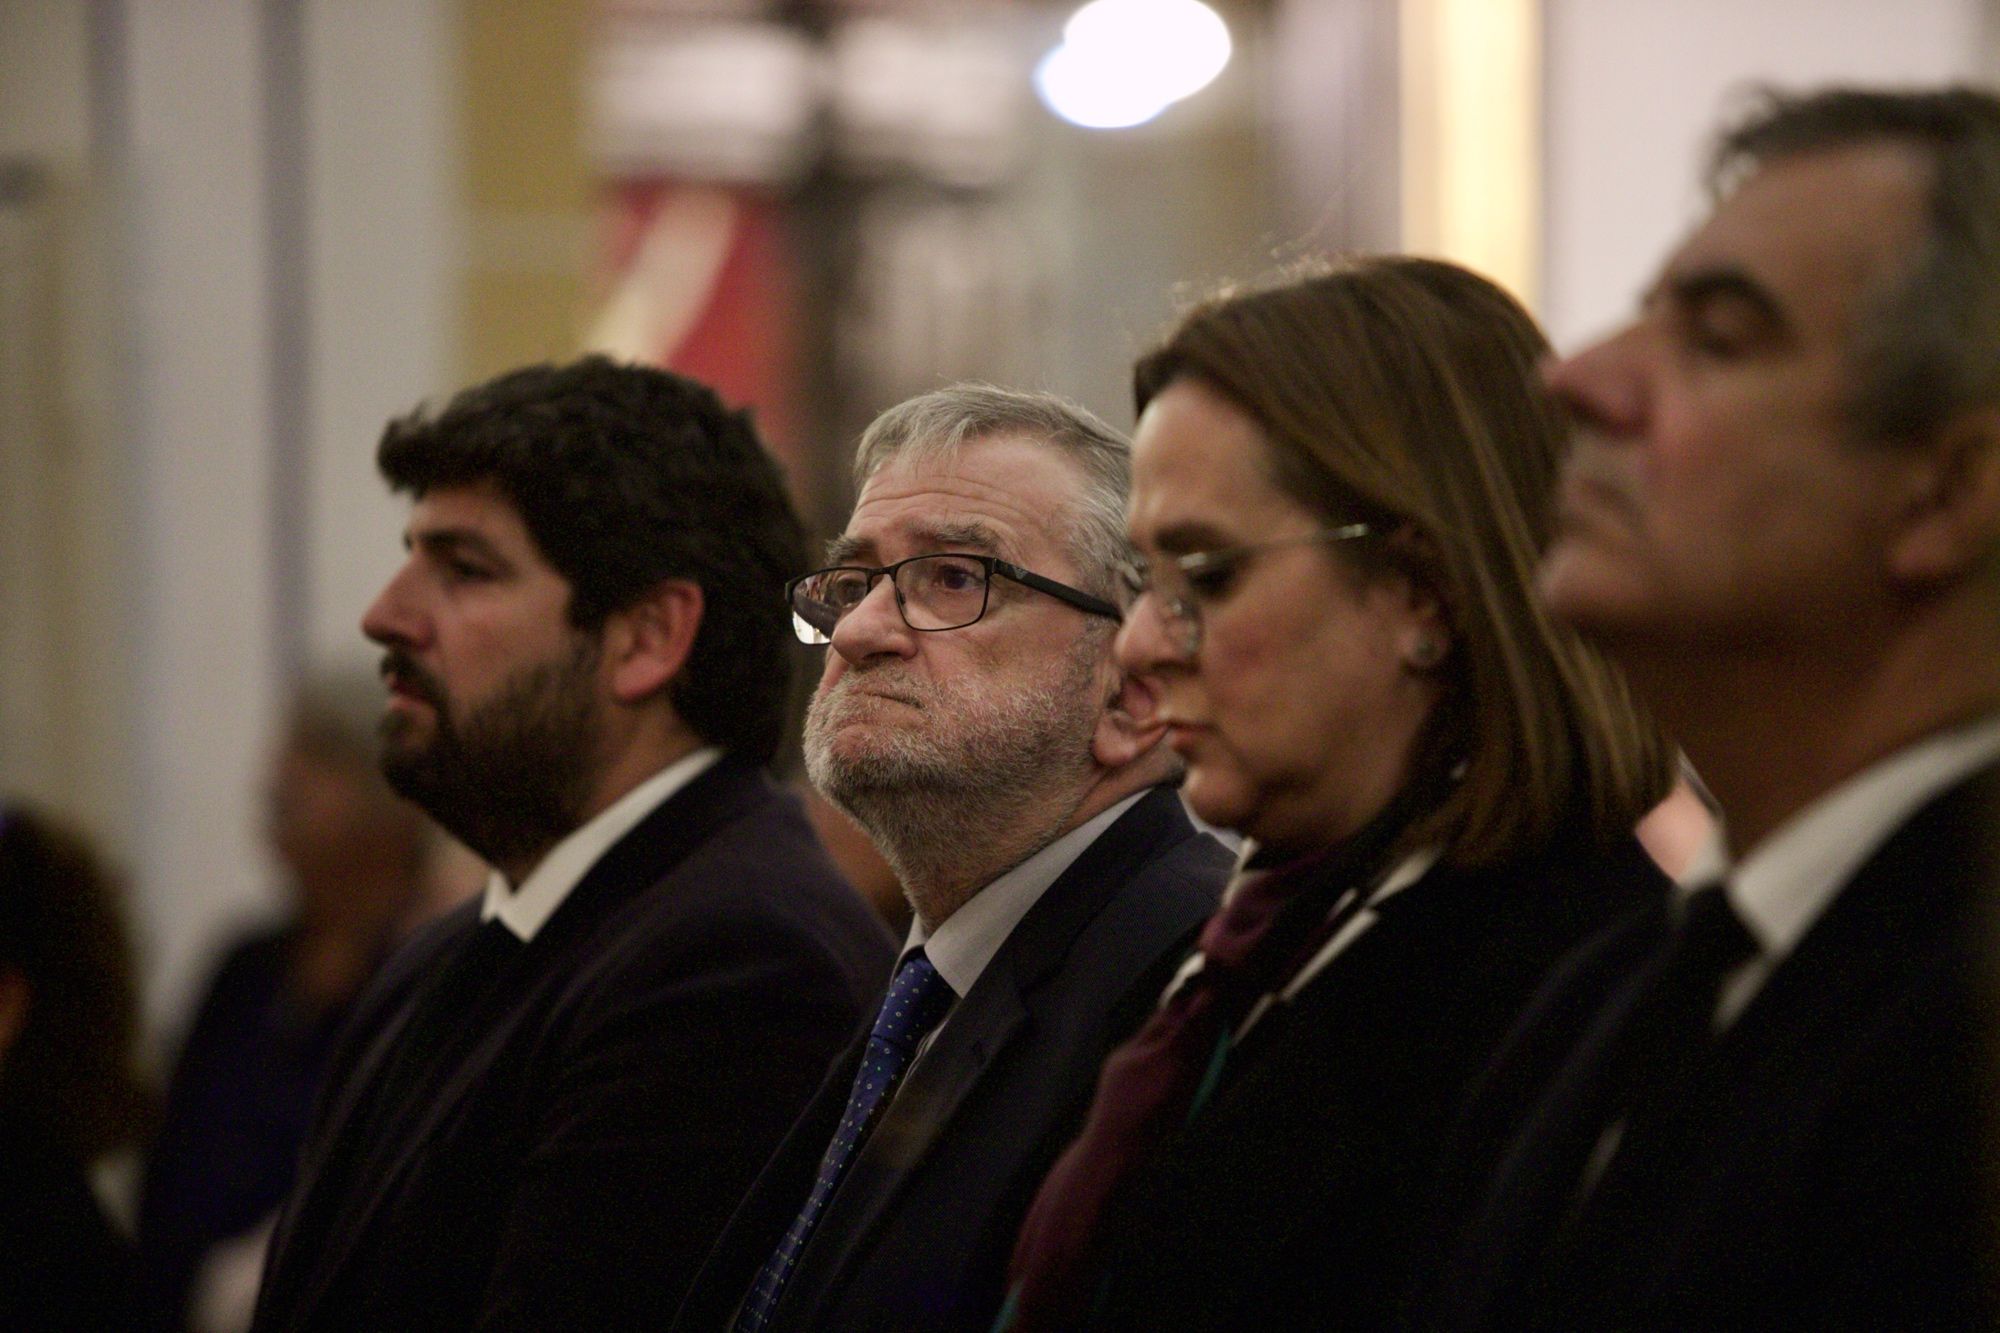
(68, 1095)
(1341, 486)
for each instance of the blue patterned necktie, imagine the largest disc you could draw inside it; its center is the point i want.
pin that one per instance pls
(917, 999)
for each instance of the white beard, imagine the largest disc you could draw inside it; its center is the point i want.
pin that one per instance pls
(971, 774)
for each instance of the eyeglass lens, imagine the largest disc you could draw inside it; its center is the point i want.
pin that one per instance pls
(934, 592)
(1172, 603)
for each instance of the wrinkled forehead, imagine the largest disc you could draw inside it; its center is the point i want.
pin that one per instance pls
(1009, 497)
(1813, 235)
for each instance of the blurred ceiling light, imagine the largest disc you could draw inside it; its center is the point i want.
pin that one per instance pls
(1123, 62)
(714, 101)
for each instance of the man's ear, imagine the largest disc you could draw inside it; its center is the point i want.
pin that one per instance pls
(1950, 522)
(647, 643)
(1130, 724)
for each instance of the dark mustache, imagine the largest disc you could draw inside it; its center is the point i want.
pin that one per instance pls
(412, 677)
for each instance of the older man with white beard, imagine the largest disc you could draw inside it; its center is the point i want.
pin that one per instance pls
(971, 719)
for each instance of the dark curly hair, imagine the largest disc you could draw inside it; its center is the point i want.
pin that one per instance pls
(69, 1076)
(625, 476)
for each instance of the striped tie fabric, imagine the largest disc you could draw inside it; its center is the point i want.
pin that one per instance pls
(917, 999)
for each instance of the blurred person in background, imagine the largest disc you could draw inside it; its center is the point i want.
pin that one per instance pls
(1782, 518)
(357, 858)
(546, 1103)
(1340, 489)
(68, 1093)
(971, 719)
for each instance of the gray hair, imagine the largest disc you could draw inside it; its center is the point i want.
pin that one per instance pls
(936, 425)
(1930, 346)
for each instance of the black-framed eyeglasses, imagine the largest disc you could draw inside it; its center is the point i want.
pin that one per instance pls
(1181, 584)
(933, 592)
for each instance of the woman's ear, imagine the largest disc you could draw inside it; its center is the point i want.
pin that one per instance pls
(1424, 637)
(1425, 649)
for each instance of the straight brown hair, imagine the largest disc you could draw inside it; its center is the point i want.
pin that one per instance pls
(1405, 393)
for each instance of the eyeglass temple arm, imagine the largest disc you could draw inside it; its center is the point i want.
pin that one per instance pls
(1076, 597)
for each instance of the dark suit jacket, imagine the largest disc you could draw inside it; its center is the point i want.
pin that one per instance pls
(919, 1234)
(1822, 1167)
(1292, 1196)
(568, 1161)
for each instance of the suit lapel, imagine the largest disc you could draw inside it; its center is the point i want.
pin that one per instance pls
(1896, 918)
(1902, 919)
(398, 1137)
(341, 1102)
(941, 1080)
(313, 1219)
(1904, 904)
(1906, 908)
(402, 1134)
(1538, 1169)
(995, 1013)
(780, 1190)
(655, 848)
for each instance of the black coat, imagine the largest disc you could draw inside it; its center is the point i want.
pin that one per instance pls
(919, 1233)
(1293, 1197)
(1822, 1167)
(602, 1109)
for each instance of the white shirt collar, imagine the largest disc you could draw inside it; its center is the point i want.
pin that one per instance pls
(1791, 877)
(525, 910)
(966, 942)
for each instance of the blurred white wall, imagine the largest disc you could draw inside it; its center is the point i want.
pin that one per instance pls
(382, 254)
(198, 406)
(1634, 88)
(59, 454)
(273, 189)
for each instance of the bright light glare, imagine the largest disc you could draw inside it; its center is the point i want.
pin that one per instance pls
(1082, 94)
(1123, 62)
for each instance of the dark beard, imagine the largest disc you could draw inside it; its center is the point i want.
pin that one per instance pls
(511, 778)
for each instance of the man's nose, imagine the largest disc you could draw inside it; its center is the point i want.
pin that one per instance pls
(394, 619)
(874, 627)
(1143, 644)
(1607, 385)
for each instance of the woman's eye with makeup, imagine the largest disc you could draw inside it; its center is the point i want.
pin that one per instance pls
(1211, 578)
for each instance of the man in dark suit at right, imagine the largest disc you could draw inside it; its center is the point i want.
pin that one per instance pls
(971, 719)
(1782, 518)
